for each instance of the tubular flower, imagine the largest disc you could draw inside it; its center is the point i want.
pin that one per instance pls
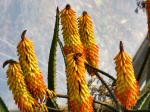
(127, 89)
(86, 31)
(79, 94)
(72, 42)
(18, 87)
(29, 64)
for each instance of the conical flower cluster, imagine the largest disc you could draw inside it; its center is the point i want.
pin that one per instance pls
(127, 89)
(32, 73)
(79, 94)
(86, 31)
(22, 97)
(72, 42)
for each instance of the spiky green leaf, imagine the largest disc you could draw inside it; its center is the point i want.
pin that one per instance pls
(3, 107)
(52, 61)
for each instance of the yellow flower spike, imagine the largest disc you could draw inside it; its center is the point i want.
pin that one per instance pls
(72, 42)
(29, 64)
(127, 88)
(79, 94)
(17, 85)
(91, 49)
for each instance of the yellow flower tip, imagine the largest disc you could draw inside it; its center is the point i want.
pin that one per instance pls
(23, 34)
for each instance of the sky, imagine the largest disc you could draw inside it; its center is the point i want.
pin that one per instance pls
(114, 20)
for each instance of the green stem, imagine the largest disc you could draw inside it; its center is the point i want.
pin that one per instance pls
(62, 50)
(98, 102)
(102, 72)
(109, 90)
(106, 105)
(146, 110)
(54, 110)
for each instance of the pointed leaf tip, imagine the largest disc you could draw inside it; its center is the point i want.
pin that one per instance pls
(57, 10)
(23, 34)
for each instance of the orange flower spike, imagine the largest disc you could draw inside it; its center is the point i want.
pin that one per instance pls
(17, 85)
(86, 31)
(79, 94)
(127, 88)
(72, 42)
(32, 73)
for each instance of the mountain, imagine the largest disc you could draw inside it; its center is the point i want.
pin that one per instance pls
(114, 20)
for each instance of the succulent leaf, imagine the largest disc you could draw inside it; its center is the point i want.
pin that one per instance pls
(3, 107)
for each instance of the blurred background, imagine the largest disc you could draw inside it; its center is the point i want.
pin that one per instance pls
(114, 20)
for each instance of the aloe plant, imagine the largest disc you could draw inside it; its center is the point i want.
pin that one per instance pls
(144, 101)
(52, 61)
(3, 107)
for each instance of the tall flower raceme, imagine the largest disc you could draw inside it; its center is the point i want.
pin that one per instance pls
(86, 30)
(32, 73)
(127, 88)
(72, 42)
(17, 85)
(79, 94)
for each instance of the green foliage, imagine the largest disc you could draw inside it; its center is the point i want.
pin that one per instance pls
(3, 107)
(144, 101)
(145, 104)
(52, 61)
(146, 88)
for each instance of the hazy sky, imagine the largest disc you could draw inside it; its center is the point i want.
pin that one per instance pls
(114, 20)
